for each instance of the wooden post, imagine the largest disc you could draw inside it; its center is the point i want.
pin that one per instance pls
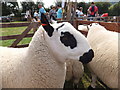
(69, 5)
(73, 22)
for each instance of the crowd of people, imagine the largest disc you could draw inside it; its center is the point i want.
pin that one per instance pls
(91, 12)
(56, 12)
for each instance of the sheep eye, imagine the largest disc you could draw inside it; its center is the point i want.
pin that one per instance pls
(68, 40)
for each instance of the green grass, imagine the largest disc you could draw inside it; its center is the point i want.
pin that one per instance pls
(13, 31)
(15, 22)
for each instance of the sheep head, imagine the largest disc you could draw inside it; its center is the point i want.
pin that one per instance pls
(66, 42)
(96, 26)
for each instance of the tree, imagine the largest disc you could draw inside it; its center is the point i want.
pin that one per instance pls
(6, 10)
(103, 7)
(9, 8)
(114, 10)
(84, 5)
(14, 7)
(28, 5)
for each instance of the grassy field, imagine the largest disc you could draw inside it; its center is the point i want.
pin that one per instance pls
(15, 22)
(13, 31)
(84, 82)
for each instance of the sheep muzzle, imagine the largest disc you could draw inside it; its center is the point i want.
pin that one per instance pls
(87, 57)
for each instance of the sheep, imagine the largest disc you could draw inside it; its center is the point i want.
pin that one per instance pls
(74, 72)
(105, 62)
(83, 27)
(0, 75)
(42, 63)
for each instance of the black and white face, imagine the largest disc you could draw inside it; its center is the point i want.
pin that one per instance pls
(66, 42)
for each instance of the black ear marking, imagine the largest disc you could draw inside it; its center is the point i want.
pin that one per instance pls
(44, 19)
(68, 39)
(49, 29)
(45, 23)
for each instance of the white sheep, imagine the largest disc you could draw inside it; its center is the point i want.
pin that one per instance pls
(105, 61)
(74, 71)
(0, 75)
(42, 64)
(83, 27)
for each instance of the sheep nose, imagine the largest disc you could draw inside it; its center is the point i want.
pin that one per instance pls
(87, 57)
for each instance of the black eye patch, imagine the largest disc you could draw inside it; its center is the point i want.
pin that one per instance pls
(68, 39)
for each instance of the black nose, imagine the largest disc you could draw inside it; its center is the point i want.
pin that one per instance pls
(87, 57)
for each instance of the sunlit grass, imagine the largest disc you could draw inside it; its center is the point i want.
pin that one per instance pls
(13, 31)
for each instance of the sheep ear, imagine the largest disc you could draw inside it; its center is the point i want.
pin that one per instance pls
(45, 23)
(44, 19)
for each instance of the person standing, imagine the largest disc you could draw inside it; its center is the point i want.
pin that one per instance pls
(80, 13)
(35, 16)
(59, 13)
(93, 10)
(52, 13)
(41, 10)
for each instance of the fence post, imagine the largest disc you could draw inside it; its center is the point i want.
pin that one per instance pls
(76, 24)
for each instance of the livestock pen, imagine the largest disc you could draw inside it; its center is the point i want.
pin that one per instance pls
(25, 34)
(85, 81)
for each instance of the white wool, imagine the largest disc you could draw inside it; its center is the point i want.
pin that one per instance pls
(42, 64)
(82, 28)
(105, 62)
(0, 74)
(74, 71)
(33, 64)
(72, 53)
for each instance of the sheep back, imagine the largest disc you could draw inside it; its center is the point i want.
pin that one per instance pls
(105, 61)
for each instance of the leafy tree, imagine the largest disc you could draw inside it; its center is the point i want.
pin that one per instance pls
(28, 5)
(103, 7)
(9, 8)
(6, 10)
(14, 7)
(114, 10)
